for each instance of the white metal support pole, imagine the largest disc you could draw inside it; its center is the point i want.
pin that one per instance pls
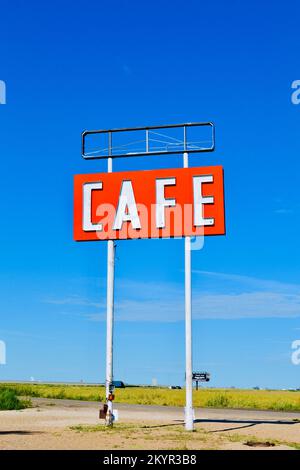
(110, 320)
(189, 412)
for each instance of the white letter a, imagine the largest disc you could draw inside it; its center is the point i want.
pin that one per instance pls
(127, 210)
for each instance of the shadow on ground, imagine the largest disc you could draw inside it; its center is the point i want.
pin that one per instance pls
(247, 423)
(20, 433)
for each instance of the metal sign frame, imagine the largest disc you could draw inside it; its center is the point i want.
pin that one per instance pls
(186, 145)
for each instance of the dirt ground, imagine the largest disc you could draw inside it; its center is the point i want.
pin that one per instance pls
(55, 424)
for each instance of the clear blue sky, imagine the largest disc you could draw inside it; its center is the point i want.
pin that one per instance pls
(70, 66)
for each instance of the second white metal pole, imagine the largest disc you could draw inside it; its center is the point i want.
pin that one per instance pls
(189, 412)
(110, 314)
(110, 319)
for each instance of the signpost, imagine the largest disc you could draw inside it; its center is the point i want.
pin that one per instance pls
(201, 377)
(164, 203)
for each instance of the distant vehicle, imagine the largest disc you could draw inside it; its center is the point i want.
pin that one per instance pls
(118, 384)
(174, 387)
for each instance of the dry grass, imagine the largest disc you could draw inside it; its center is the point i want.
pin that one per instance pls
(176, 438)
(252, 441)
(170, 437)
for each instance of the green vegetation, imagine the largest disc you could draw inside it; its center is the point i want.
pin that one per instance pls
(217, 398)
(10, 401)
(218, 401)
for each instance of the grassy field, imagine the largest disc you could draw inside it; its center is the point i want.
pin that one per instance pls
(216, 398)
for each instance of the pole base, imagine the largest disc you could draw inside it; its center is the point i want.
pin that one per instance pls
(189, 419)
(109, 419)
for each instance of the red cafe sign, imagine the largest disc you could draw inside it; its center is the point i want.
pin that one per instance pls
(149, 204)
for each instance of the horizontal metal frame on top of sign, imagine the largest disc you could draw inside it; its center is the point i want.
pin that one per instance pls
(184, 143)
